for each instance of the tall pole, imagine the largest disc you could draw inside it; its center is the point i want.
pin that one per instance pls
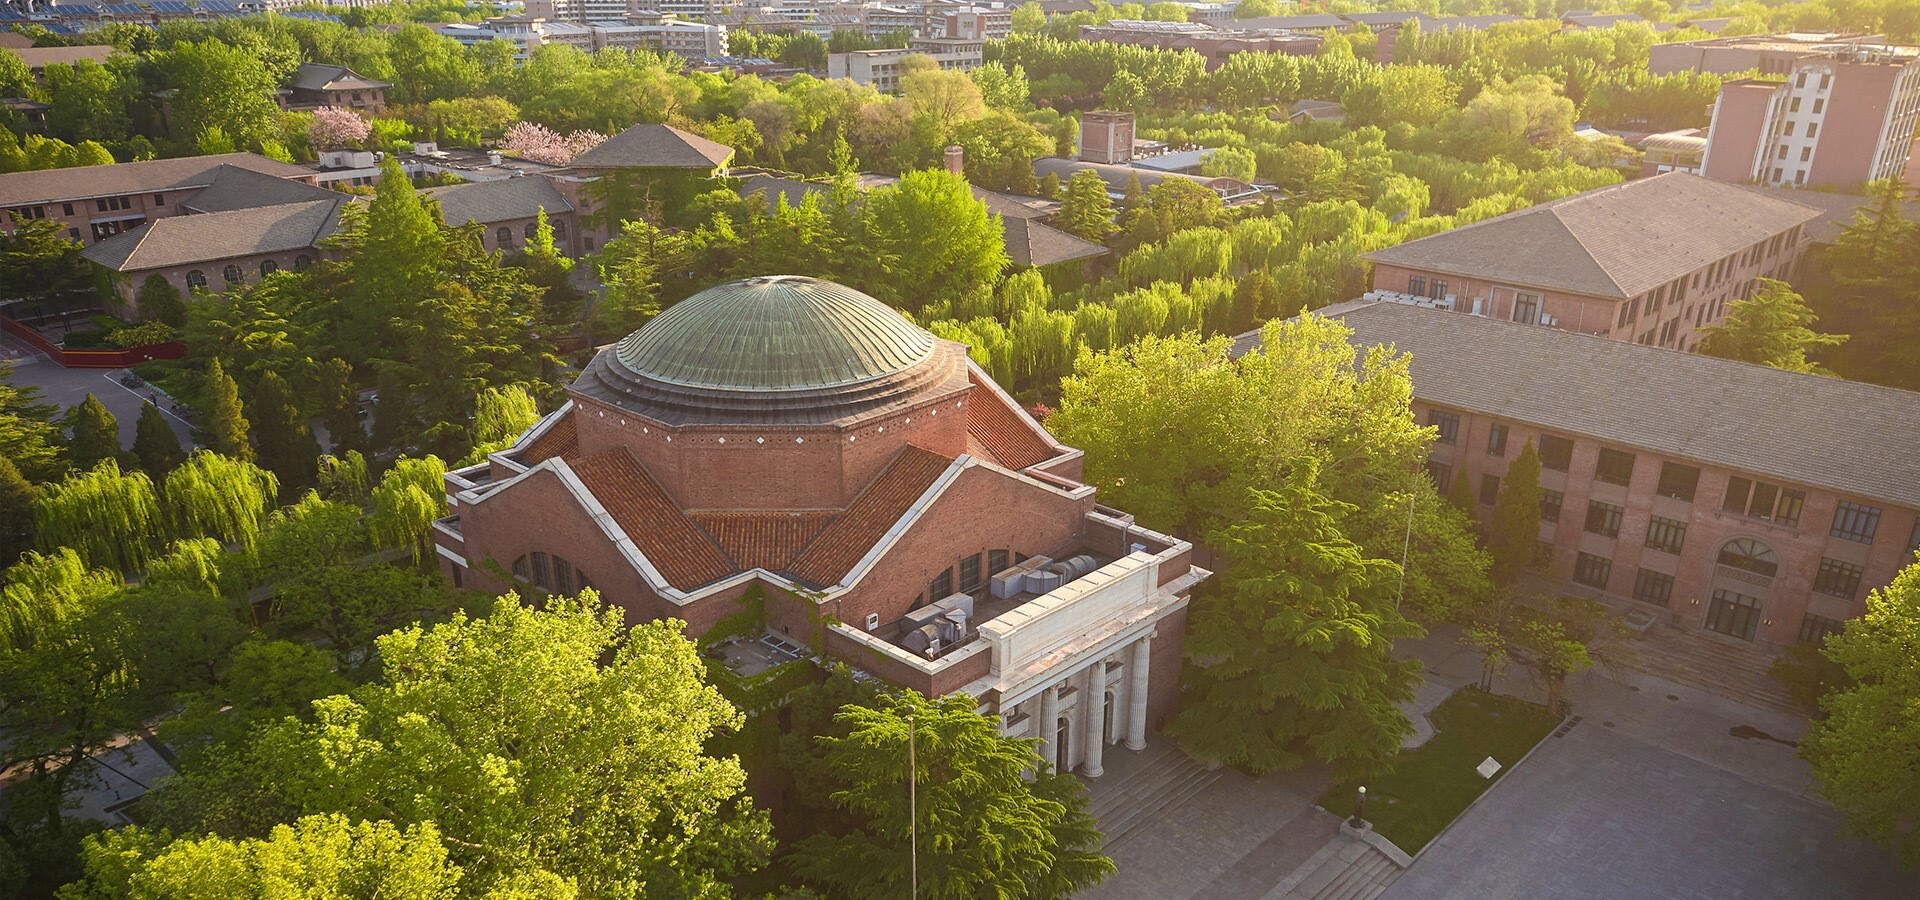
(913, 808)
(1406, 549)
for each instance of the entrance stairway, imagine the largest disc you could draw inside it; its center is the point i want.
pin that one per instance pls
(1138, 787)
(1344, 869)
(1700, 661)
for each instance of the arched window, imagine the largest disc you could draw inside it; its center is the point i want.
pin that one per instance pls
(560, 233)
(196, 280)
(531, 229)
(1749, 555)
(302, 262)
(504, 237)
(233, 275)
(268, 267)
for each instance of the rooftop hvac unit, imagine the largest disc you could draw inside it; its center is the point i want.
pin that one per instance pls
(1083, 564)
(873, 621)
(961, 602)
(1042, 581)
(1012, 580)
(917, 618)
(924, 640)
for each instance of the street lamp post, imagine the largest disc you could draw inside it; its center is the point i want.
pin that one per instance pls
(1359, 809)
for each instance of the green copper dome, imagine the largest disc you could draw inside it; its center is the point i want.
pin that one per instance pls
(775, 333)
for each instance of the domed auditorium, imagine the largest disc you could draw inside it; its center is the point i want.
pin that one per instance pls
(795, 448)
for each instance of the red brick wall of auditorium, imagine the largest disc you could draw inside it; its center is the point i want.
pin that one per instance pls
(982, 510)
(823, 471)
(540, 514)
(1163, 671)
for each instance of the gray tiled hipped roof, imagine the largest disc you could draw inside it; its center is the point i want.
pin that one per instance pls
(655, 147)
(1836, 210)
(41, 57)
(320, 77)
(211, 237)
(1031, 243)
(1618, 241)
(487, 202)
(1843, 436)
(46, 185)
(234, 187)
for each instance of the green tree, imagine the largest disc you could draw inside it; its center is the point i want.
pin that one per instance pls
(89, 102)
(317, 856)
(17, 500)
(349, 605)
(110, 517)
(1772, 328)
(1296, 653)
(216, 496)
(221, 87)
(155, 444)
(1126, 93)
(984, 829)
(340, 407)
(931, 238)
(226, 421)
(159, 301)
(1513, 534)
(1866, 752)
(37, 259)
(1256, 9)
(1086, 210)
(1029, 18)
(500, 416)
(538, 741)
(282, 437)
(1460, 491)
(96, 435)
(395, 252)
(409, 497)
(29, 436)
(631, 266)
(344, 478)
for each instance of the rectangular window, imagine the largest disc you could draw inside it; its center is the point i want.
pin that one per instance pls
(942, 586)
(1550, 503)
(1441, 473)
(1825, 80)
(1448, 423)
(1592, 571)
(159, 199)
(1678, 481)
(1489, 489)
(1763, 501)
(1813, 129)
(1653, 587)
(996, 561)
(1526, 309)
(1733, 614)
(66, 209)
(1417, 285)
(1806, 153)
(1819, 104)
(1667, 535)
(1913, 540)
(1794, 106)
(1614, 467)
(1855, 522)
(1801, 81)
(1603, 519)
(1496, 440)
(970, 574)
(1556, 453)
(1837, 579)
(1814, 629)
(1439, 289)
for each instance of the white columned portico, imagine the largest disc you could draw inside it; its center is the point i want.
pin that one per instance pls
(1137, 693)
(1049, 723)
(1095, 700)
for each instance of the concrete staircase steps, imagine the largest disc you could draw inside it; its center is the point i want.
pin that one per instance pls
(1712, 665)
(1166, 780)
(1365, 878)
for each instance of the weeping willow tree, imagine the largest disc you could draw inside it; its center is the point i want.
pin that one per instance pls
(191, 562)
(501, 414)
(43, 590)
(110, 517)
(217, 496)
(411, 495)
(343, 479)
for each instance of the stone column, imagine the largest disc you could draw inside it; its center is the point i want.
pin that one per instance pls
(1049, 721)
(1096, 701)
(1137, 694)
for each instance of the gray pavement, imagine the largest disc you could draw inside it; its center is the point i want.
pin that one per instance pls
(1601, 815)
(66, 388)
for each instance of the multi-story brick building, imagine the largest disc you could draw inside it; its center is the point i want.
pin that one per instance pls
(798, 441)
(97, 202)
(1214, 45)
(1842, 117)
(1650, 261)
(315, 85)
(1768, 54)
(882, 68)
(1743, 501)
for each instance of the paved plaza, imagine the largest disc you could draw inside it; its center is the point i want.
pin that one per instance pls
(66, 388)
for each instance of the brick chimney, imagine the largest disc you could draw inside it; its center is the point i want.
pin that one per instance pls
(956, 159)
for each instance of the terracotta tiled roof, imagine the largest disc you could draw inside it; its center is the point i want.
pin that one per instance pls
(678, 548)
(1009, 440)
(562, 439)
(843, 543)
(763, 540)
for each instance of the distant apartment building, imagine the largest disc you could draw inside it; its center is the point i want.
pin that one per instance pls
(98, 202)
(1673, 151)
(1214, 45)
(970, 23)
(1649, 261)
(1747, 503)
(1767, 54)
(882, 68)
(1839, 119)
(649, 31)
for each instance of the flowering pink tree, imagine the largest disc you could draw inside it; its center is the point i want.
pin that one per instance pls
(334, 128)
(544, 145)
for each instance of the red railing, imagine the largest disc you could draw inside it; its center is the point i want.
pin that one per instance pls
(93, 359)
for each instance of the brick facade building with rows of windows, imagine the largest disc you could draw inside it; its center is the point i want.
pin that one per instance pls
(795, 439)
(1650, 261)
(1744, 501)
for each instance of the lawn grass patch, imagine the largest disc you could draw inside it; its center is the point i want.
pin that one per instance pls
(1431, 785)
